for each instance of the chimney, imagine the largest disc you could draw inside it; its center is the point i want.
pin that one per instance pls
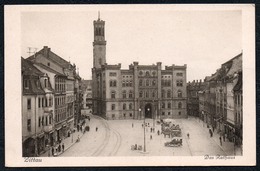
(46, 51)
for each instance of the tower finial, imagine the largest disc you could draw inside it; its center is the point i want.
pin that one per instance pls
(98, 15)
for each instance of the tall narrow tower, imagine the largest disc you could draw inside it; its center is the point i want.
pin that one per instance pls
(99, 44)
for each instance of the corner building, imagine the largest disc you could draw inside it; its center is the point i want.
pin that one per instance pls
(138, 92)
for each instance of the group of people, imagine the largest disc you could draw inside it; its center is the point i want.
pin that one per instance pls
(55, 150)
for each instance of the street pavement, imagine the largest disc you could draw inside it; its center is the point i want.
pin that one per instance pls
(115, 138)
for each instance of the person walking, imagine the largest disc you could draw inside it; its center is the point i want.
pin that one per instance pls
(220, 140)
(158, 132)
(63, 147)
(151, 137)
(151, 129)
(142, 125)
(59, 148)
(188, 135)
(96, 129)
(52, 151)
(132, 125)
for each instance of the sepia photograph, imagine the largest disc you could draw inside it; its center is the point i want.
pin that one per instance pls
(110, 84)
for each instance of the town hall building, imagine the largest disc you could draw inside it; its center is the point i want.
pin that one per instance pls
(140, 91)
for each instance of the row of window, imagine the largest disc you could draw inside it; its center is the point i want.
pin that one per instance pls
(147, 82)
(60, 100)
(60, 84)
(169, 113)
(130, 94)
(147, 94)
(127, 83)
(42, 121)
(42, 102)
(166, 83)
(60, 115)
(169, 106)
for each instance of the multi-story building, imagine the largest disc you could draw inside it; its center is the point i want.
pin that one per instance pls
(37, 110)
(61, 74)
(218, 107)
(193, 89)
(138, 92)
(86, 86)
(238, 107)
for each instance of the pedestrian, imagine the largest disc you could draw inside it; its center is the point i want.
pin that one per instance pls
(142, 125)
(220, 140)
(132, 125)
(151, 137)
(78, 127)
(52, 151)
(151, 129)
(63, 147)
(188, 135)
(59, 148)
(158, 132)
(96, 129)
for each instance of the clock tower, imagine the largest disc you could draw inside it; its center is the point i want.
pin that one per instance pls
(99, 44)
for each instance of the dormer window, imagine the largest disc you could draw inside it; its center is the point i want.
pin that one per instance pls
(26, 84)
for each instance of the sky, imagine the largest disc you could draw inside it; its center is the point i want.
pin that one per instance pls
(202, 39)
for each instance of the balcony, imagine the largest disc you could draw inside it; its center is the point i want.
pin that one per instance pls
(47, 128)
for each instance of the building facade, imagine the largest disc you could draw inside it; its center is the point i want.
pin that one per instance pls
(61, 75)
(140, 91)
(37, 110)
(221, 100)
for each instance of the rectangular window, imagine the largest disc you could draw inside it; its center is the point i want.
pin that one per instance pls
(49, 119)
(39, 122)
(42, 121)
(28, 104)
(39, 102)
(26, 84)
(29, 124)
(113, 107)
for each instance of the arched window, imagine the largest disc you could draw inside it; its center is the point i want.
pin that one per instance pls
(140, 82)
(140, 94)
(124, 94)
(153, 94)
(147, 73)
(147, 83)
(130, 106)
(169, 94)
(163, 105)
(113, 95)
(130, 83)
(179, 93)
(154, 83)
(147, 94)
(179, 105)
(114, 83)
(124, 106)
(163, 93)
(130, 94)
(169, 105)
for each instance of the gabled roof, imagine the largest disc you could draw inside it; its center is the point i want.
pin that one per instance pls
(29, 69)
(52, 56)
